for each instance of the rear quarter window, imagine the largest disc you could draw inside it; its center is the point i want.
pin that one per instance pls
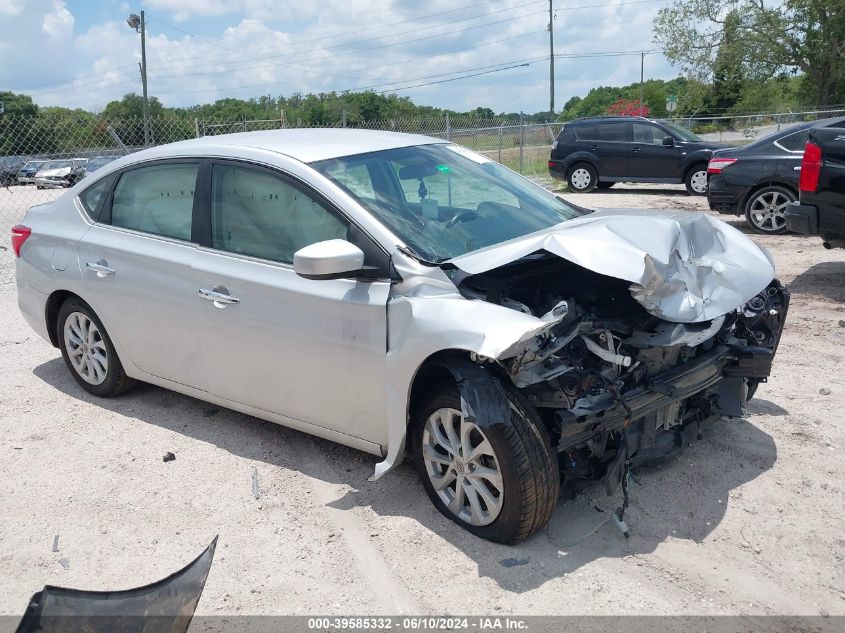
(793, 142)
(90, 198)
(586, 132)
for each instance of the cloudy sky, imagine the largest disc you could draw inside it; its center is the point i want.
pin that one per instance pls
(81, 53)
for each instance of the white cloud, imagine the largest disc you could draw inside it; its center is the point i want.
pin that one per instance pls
(11, 7)
(280, 47)
(58, 25)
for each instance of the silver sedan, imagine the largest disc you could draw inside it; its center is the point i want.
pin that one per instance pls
(405, 296)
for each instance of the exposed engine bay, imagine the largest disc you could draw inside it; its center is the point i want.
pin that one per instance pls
(615, 385)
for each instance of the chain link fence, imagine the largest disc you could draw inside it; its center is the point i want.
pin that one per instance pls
(78, 145)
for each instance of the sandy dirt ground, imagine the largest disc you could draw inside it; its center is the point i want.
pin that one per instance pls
(747, 521)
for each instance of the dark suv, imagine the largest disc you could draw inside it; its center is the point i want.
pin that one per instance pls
(598, 152)
(821, 208)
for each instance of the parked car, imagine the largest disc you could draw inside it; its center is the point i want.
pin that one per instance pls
(396, 293)
(758, 180)
(9, 168)
(26, 175)
(821, 207)
(60, 173)
(598, 152)
(97, 162)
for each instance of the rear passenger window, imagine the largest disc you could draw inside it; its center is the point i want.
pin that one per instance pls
(618, 132)
(158, 199)
(90, 198)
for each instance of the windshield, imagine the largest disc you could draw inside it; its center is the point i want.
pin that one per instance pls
(33, 164)
(683, 133)
(443, 200)
(57, 164)
(95, 163)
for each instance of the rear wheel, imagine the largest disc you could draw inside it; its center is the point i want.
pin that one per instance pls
(765, 210)
(696, 180)
(88, 351)
(582, 178)
(499, 481)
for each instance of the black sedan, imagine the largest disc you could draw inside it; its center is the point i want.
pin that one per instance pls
(760, 179)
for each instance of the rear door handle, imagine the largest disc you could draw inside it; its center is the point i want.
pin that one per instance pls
(595, 148)
(220, 296)
(797, 168)
(636, 148)
(100, 268)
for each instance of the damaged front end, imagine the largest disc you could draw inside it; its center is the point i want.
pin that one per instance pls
(615, 384)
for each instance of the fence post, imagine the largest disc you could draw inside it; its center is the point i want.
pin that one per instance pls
(521, 142)
(343, 117)
(282, 122)
(500, 141)
(448, 128)
(197, 127)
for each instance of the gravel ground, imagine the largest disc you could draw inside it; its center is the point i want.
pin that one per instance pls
(745, 522)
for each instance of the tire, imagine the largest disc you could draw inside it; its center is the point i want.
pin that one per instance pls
(604, 185)
(582, 178)
(693, 180)
(765, 208)
(89, 353)
(522, 455)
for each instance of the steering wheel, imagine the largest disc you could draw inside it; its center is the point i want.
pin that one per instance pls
(464, 216)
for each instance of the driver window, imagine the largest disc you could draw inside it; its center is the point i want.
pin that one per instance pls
(645, 133)
(258, 214)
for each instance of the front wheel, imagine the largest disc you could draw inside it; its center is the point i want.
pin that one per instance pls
(765, 210)
(696, 180)
(88, 351)
(499, 481)
(582, 178)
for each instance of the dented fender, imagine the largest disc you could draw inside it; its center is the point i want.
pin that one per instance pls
(433, 317)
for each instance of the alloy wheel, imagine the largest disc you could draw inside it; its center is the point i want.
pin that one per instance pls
(462, 467)
(767, 211)
(86, 348)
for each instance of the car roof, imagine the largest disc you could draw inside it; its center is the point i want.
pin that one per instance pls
(306, 144)
(595, 119)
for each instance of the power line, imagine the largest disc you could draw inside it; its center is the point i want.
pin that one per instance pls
(288, 65)
(315, 39)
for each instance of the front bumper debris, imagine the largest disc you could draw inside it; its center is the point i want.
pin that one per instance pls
(166, 606)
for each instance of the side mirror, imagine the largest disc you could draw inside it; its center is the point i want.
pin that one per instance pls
(330, 259)
(668, 141)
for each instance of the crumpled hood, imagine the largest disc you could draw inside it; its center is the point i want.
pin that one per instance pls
(683, 267)
(52, 173)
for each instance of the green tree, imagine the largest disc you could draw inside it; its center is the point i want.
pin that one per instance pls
(132, 106)
(728, 75)
(767, 38)
(17, 104)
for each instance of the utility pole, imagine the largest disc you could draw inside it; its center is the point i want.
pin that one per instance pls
(144, 81)
(139, 25)
(642, 67)
(551, 57)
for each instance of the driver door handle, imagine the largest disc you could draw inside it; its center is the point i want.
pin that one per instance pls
(220, 299)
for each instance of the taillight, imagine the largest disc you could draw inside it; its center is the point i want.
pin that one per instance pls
(811, 168)
(20, 233)
(716, 165)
